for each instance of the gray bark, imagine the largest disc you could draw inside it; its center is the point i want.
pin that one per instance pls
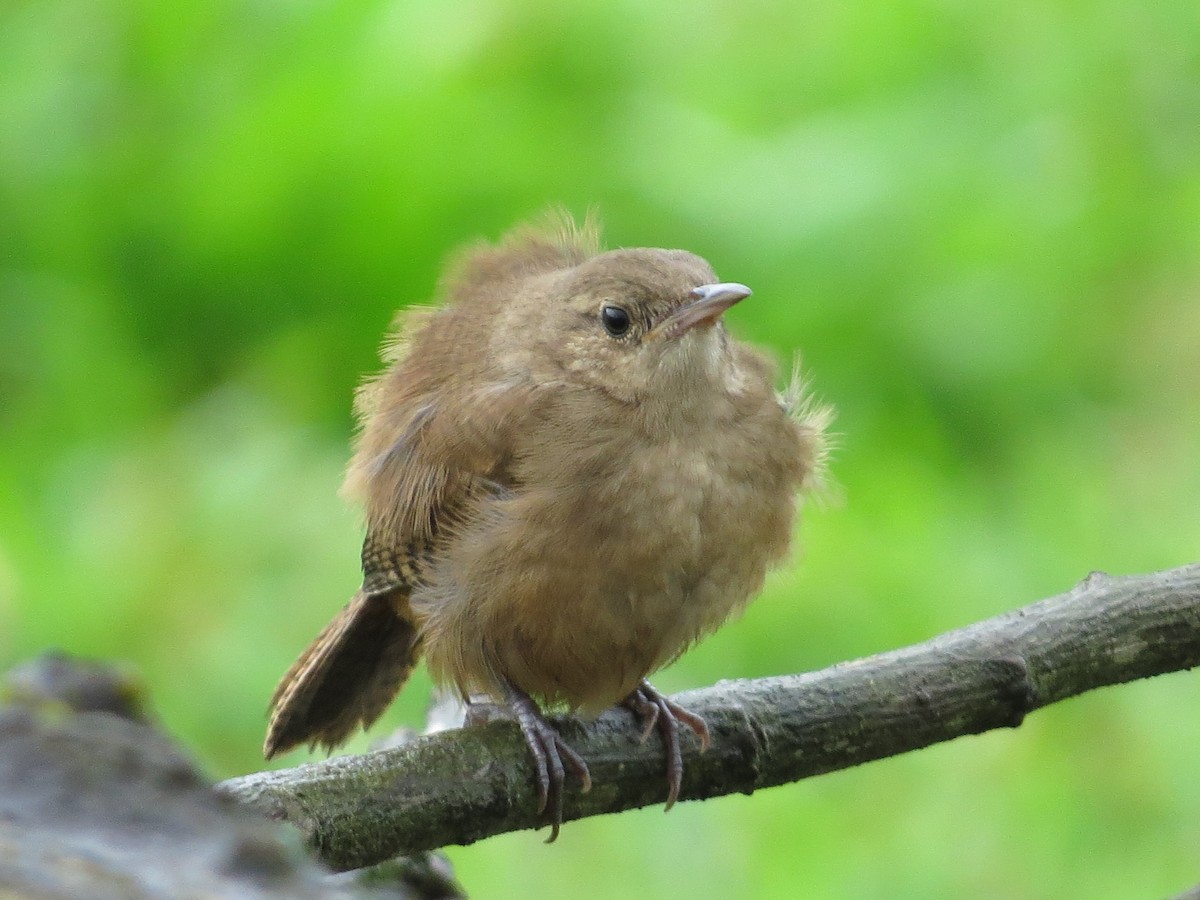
(458, 786)
(97, 802)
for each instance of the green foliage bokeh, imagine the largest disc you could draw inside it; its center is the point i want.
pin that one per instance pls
(980, 224)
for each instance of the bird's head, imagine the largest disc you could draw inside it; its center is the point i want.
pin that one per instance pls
(638, 324)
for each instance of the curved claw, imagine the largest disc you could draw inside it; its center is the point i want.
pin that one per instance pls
(549, 752)
(652, 708)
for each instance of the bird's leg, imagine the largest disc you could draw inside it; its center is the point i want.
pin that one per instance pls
(652, 708)
(549, 751)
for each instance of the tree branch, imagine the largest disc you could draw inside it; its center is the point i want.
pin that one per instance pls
(456, 787)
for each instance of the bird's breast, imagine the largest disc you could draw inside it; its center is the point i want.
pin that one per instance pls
(609, 561)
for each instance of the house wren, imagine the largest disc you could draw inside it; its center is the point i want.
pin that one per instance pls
(570, 473)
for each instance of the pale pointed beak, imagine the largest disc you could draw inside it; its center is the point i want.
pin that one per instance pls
(708, 302)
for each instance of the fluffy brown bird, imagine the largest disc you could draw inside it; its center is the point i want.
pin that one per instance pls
(570, 473)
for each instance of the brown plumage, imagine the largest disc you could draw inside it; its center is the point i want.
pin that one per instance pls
(570, 473)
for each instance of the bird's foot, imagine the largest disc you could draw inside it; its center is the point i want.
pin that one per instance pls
(550, 752)
(652, 708)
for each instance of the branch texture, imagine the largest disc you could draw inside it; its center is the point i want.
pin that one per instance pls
(456, 787)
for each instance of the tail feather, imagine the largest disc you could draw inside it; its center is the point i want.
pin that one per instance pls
(347, 676)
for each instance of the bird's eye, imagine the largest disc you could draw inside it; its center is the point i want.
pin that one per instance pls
(616, 321)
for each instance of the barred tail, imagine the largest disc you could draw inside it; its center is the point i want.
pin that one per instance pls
(347, 676)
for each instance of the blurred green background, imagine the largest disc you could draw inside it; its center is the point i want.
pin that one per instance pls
(980, 223)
